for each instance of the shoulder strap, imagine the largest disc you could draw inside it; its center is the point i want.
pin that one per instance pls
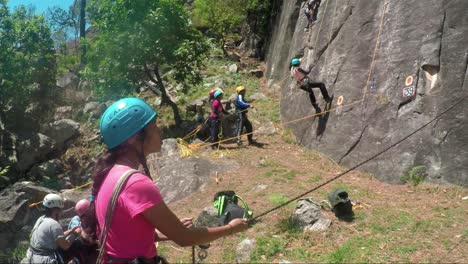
(110, 212)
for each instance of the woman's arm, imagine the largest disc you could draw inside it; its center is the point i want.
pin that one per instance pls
(162, 218)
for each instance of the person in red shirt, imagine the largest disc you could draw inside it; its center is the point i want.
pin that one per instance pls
(140, 217)
(300, 75)
(217, 110)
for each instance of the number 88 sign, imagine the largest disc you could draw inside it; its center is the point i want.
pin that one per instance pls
(409, 91)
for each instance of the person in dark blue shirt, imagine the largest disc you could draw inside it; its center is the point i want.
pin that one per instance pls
(242, 119)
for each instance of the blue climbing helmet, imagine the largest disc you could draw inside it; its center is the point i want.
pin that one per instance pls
(295, 62)
(217, 93)
(124, 119)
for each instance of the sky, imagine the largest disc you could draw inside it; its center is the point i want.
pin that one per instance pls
(41, 5)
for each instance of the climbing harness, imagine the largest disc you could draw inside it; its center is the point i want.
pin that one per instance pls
(228, 209)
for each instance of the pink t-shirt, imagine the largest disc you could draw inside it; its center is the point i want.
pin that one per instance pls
(130, 234)
(216, 108)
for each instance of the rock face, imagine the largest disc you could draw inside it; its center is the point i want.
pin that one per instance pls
(62, 131)
(34, 149)
(178, 177)
(16, 217)
(364, 51)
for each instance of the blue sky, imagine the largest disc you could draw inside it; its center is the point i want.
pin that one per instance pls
(41, 5)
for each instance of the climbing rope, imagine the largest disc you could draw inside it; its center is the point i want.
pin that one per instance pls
(359, 164)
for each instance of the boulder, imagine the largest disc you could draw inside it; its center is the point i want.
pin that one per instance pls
(94, 109)
(33, 150)
(180, 177)
(308, 215)
(207, 218)
(268, 129)
(49, 168)
(16, 217)
(63, 112)
(257, 73)
(62, 131)
(233, 68)
(68, 80)
(367, 63)
(257, 96)
(244, 250)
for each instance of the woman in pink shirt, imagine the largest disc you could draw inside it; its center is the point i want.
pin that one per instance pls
(217, 110)
(128, 128)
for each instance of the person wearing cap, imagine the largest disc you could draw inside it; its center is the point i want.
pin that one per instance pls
(242, 119)
(47, 235)
(129, 130)
(301, 77)
(217, 110)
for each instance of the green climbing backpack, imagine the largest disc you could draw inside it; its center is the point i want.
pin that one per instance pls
(228, 209)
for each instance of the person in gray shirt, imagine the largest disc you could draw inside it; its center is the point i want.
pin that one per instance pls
(47, 236)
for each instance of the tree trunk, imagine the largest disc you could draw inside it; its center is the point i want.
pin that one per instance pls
(83, 29)
(165, 99)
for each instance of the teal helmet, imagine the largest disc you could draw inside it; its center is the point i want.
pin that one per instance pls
(217, 93)
(123, 119)
(295, 62)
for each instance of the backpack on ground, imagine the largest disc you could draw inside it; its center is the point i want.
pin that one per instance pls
(228, 209)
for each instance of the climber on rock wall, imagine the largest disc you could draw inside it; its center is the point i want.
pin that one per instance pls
(300, 75)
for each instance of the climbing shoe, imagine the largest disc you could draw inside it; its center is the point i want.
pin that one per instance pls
(239, 142)
(317, 108)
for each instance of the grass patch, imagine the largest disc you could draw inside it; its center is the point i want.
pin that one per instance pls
(354, 250)
(414, 175)
(270, 163)
(286, 225)
(277, 199)
(267, 248)
(314, 179)
(288, 136)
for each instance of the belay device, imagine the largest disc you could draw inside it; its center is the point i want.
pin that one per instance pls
(228, 209)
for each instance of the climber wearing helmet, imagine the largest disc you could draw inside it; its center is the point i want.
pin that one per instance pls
(47, 235)
(300, 75)
(129, 130)
(217, 110)
(242, 119)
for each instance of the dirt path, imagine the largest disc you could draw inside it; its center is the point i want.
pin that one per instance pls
(397, 223)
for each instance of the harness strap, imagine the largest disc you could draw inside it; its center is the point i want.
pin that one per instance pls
(110, 212)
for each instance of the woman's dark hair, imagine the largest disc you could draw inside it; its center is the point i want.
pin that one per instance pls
(101, 169)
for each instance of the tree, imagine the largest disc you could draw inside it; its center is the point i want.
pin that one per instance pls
(136, 41)
(71, 22)
(26, 57)
(220, 16)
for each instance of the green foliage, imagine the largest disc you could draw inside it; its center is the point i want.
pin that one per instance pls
(51, 183)
(19, 252)
(220, 16)
(4, 171)
(268, 247)
(289, 226)
(26, 56)
(278, 199)
(137, 38)
(414, 175)
(259, 13)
